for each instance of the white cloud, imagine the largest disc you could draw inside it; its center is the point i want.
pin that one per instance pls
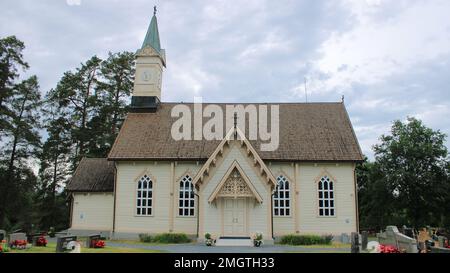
(376, 49)
(73, 2)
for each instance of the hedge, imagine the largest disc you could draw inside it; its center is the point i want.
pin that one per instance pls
(165, 238)
(306, 239)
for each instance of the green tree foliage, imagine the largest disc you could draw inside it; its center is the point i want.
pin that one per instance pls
(80, 117)
(54, 171)
(113, 93)
(408, 183)
(11, 60)
(75, 95)
(21, 143)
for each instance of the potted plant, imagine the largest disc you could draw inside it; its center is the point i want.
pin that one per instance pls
(257, 239)
(209, 241)
(41, 241)
(4, 247)
(51, 232)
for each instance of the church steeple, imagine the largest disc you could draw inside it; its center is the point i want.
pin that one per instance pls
(152, 37)
(150, 62)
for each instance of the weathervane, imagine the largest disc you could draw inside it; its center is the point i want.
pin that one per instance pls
(154, 10)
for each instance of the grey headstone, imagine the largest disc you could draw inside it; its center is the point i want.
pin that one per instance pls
(2, 234)
(91, 238)
(364, 240)
(345, 239)
(17, 236)
(441, 240)
(62, 241)
(355, 242)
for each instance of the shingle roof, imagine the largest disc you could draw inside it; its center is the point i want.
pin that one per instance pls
(93, 175)
(308, 132)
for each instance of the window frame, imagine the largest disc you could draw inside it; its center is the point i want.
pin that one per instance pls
(179, 181)
(332, 180)
(152, 207)
(284, 208)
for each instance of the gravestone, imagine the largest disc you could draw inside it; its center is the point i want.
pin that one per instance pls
(17, 236)
(441, 240)
(364, 240)
(91, 238)
(344, 238)
(2, 235)
(355, 242)
(62, 241)
(393, 237)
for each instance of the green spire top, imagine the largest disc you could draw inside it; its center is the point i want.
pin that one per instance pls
(152, 37)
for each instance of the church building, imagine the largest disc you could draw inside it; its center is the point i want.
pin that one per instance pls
(230, 187)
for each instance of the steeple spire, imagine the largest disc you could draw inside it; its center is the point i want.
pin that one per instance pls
(152, 37)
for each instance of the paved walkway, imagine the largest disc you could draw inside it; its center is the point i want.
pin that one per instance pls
(200, 248)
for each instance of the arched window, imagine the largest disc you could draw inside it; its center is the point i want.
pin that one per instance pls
(326, 196)
(186, 201)
(144, 199)
(281, 198)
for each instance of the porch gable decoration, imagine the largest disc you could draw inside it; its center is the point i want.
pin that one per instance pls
(235, 183)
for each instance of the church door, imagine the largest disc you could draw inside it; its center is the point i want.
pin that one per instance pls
(234, 220)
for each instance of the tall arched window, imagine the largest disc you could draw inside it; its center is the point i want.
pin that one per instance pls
(326, 196)
(186, 201)
(281, 198)
(144, 198)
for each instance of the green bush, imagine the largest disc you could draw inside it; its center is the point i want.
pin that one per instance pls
(145, 238)
(306, 240)
(171, 238)
(165, 238)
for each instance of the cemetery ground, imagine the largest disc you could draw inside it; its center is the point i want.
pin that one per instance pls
(51, 248)
(135, 246)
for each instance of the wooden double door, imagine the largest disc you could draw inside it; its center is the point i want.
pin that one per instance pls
(235, 217)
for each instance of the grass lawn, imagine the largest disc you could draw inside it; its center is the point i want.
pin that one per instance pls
(137, 242)
(330, 246)
(51, 248)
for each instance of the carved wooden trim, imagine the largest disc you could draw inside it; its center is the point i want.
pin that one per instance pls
(235, 183)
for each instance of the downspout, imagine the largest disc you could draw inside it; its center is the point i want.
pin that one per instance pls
(197, 211)
(356, 198)
(271, 209)
(114, 207)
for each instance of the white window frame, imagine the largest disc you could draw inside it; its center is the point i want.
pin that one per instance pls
(186, 194)
(280, 209)
(140, 208)
(326, 197)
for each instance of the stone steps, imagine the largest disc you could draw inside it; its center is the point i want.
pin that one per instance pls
(234, 241)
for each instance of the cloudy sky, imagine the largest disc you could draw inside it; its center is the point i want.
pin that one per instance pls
(391, 59)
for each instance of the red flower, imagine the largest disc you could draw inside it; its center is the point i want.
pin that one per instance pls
(41, 241)
(100, 244)
(388, 249)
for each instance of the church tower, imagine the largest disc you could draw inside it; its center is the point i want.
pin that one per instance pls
(150, 60)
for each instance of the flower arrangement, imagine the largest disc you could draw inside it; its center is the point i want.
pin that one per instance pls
(257, 239)
(3, 247)
(41, 241)
(388, 249)
(209, 241)
(19, 244)
(98, 244)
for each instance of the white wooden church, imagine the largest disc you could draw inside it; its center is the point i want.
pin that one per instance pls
(230, 188)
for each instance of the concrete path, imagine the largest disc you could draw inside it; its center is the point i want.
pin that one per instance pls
(200, 248)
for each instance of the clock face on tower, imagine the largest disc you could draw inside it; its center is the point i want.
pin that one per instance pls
(147, 75)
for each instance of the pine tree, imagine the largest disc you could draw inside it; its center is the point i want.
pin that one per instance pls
(54, 170)
(22, 142)
(11, 59)
(117, 74)
(76, 95)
